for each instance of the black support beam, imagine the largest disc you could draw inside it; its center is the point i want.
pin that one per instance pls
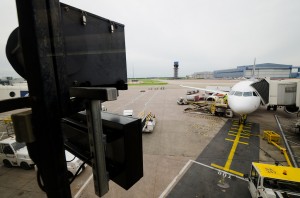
(42, 46)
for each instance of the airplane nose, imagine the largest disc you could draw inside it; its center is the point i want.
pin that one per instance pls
(241, 107)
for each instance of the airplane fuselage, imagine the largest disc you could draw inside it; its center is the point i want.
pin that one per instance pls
(243, 98)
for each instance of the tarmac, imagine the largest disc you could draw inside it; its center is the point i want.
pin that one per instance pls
(207, 175)
(178, 155)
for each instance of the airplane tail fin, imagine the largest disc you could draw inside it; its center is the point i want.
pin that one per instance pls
(253, 69)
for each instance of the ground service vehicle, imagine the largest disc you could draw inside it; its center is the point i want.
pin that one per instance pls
(13, 153)
(128, 112)
(73, 164)
(182, 101)
(271, 181)
(148, 123)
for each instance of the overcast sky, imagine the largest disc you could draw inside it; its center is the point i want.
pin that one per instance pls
(203, 35)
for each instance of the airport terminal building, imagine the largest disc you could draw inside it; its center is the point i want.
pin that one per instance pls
(202, 75)
(261, 71)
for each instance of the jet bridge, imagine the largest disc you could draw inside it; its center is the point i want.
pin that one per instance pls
(262, 87)
(276, 93)
(285, 93)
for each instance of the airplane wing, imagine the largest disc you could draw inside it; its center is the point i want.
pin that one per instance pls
(208, 90)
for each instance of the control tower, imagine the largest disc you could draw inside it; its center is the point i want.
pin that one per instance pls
(176, 65)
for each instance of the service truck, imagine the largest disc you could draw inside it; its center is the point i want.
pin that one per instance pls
(148, 123)
(271, 181)
(13, 153)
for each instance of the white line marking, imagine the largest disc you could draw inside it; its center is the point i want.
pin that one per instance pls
(163, 194)
(149, 100)
(130, 102)
(83, 186)
(2, 135)
(207, 166)
(181, 172)
(135, 99)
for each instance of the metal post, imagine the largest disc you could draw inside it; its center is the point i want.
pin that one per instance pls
(97, 145)
(94, 96)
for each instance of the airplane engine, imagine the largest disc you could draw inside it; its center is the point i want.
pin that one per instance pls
(212, 98)
(291, 109)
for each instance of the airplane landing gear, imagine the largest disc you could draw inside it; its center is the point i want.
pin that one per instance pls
(243, 119)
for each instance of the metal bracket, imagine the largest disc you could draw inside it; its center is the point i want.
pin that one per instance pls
(95, 131)
(94, 93)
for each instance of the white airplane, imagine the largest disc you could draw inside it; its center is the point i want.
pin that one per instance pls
(243, 99)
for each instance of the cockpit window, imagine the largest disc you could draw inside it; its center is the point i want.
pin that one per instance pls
(238, 93)
(231, 92)
(254, 93)
(246, 94)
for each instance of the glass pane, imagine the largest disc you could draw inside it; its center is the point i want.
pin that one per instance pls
(247, 94)
(238, 93)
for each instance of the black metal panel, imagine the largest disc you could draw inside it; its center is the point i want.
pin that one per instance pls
(123, 154)
(262, 87)
(92, 47)
(95, 49)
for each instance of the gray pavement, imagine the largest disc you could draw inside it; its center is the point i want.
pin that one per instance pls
(203, 181)
(177, 139)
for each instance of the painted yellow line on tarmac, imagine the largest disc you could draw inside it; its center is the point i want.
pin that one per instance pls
(231, 134)
(217, 166)
(229, 139)
(236, 173)
(239, 134)
(242, 135)
(233, 148)
(246, 143)
(238, 142)
(246, 137)
(230, 171)
(245, 132)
